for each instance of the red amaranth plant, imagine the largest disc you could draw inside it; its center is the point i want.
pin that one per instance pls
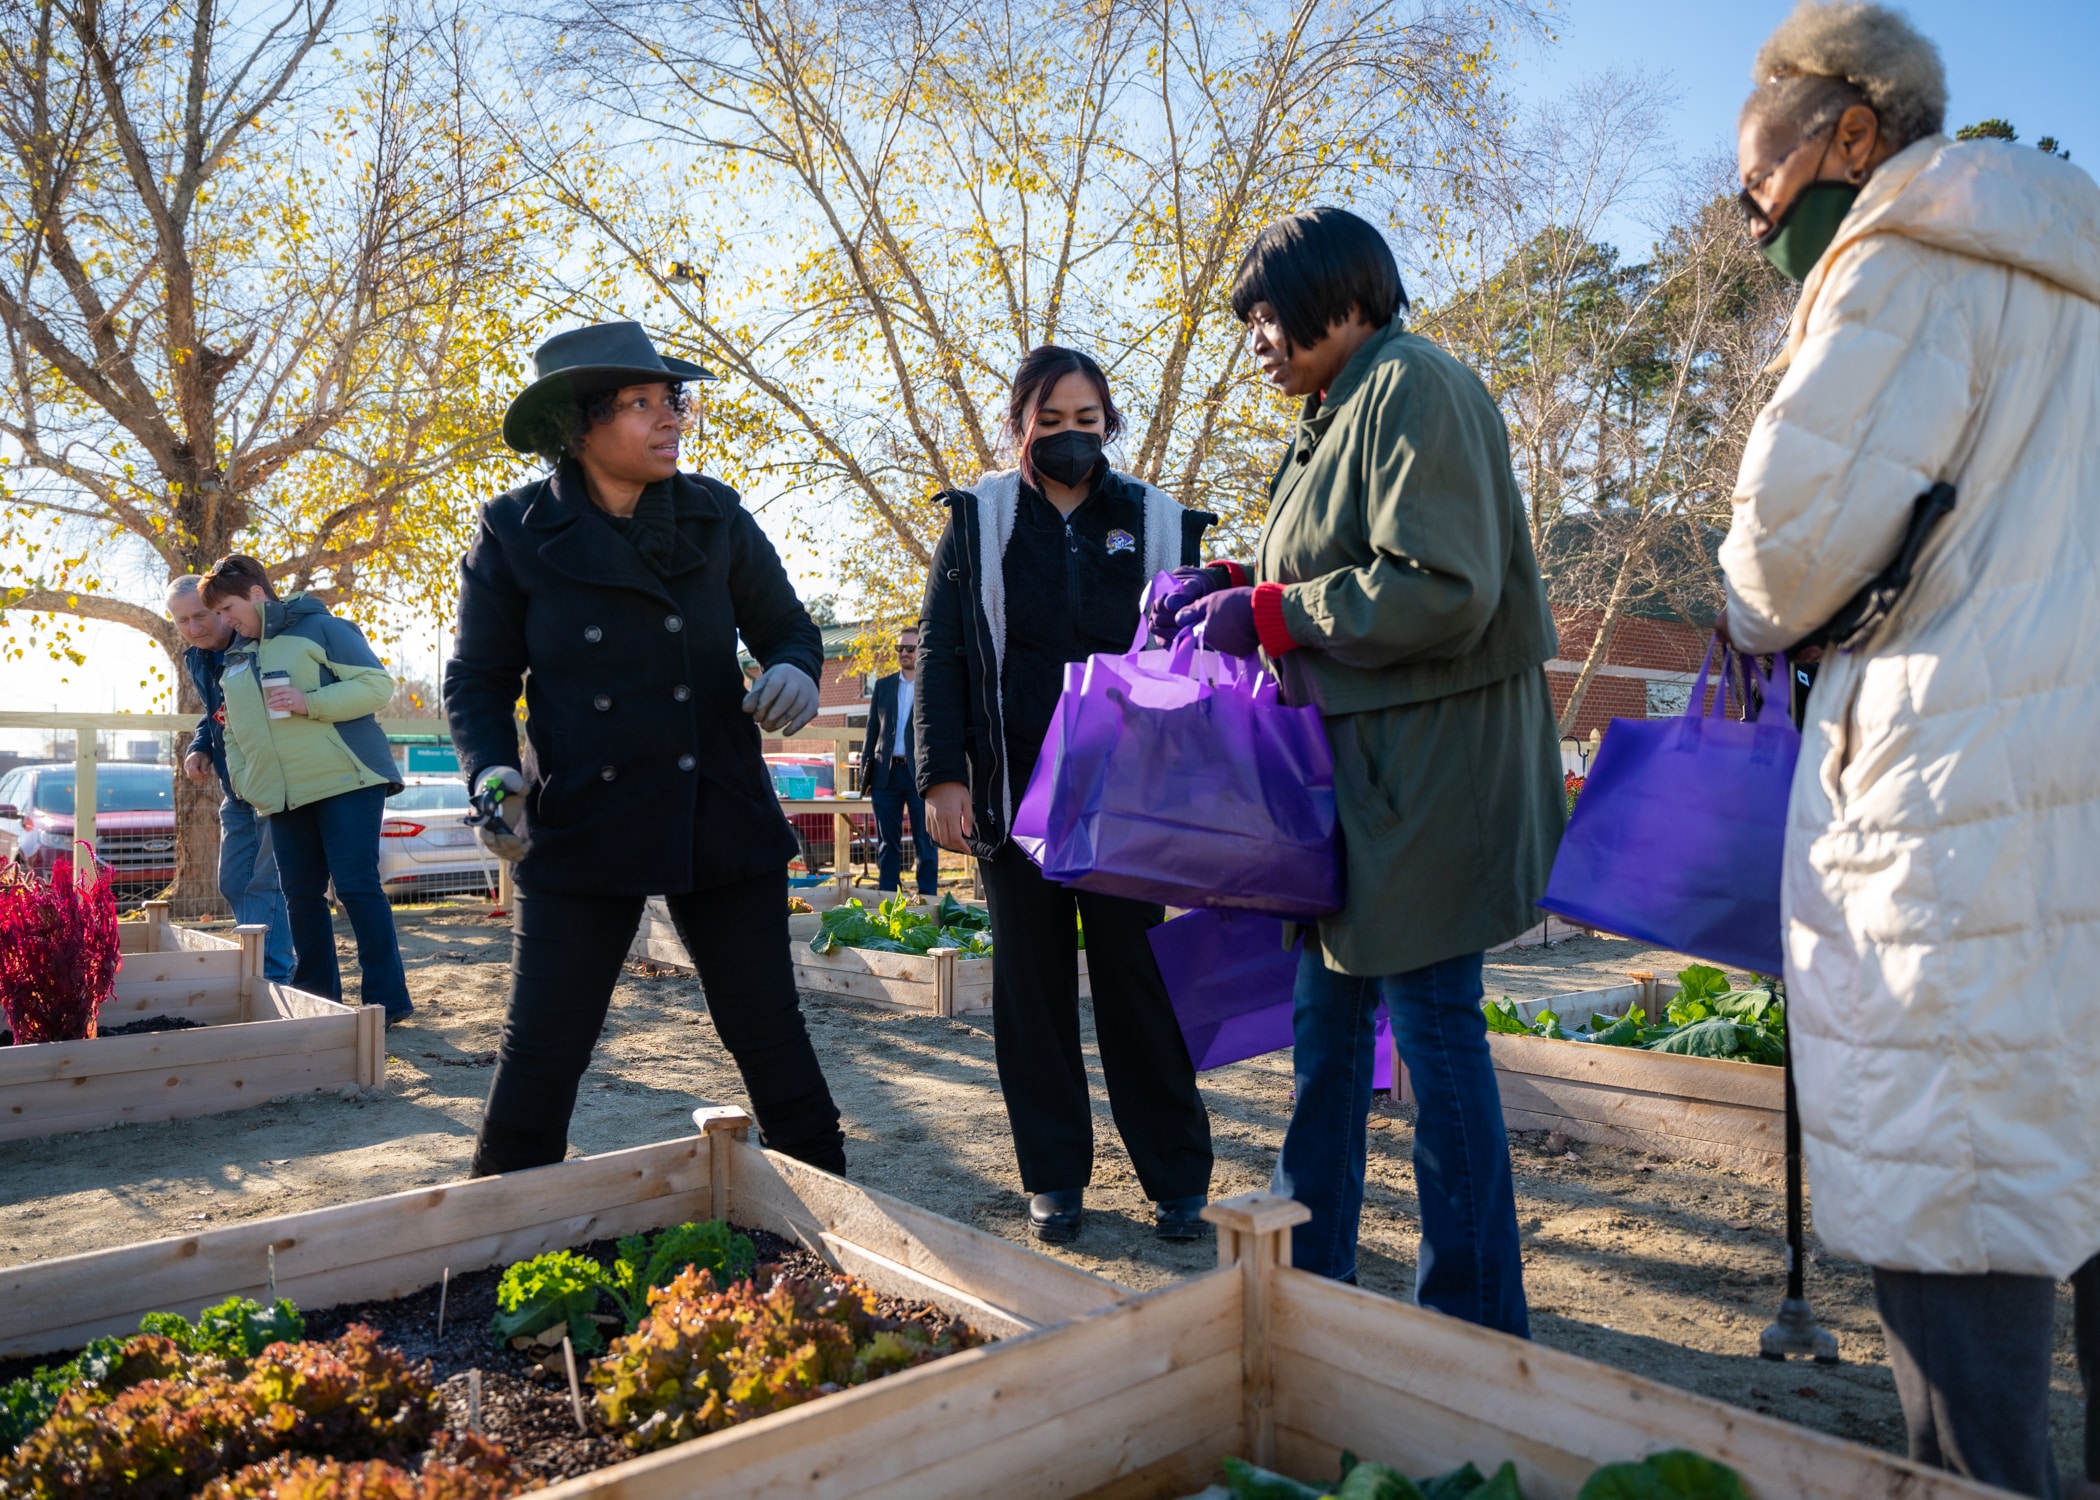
(58, 954)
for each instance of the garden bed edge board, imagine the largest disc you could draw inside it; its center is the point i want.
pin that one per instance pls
(254, 1041)
(1693, 1108)
(378, 1248)
(1142, 1400)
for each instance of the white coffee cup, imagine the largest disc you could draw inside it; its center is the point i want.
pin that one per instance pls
(270, 680)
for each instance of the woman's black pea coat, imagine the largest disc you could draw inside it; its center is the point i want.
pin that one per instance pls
(644, 774)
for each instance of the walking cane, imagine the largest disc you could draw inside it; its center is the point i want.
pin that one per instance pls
(1795, 1330)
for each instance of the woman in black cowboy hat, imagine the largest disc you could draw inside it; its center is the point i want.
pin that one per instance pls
(615, 589)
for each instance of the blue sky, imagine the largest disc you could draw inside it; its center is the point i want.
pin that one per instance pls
(2028, 61)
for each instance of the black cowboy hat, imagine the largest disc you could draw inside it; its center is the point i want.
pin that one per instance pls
(593, 358)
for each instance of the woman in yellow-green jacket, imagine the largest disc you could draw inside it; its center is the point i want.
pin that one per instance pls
(304, 749)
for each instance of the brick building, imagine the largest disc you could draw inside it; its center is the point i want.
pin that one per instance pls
(1647, 673)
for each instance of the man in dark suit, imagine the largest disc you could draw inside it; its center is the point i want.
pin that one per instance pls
(886, 773)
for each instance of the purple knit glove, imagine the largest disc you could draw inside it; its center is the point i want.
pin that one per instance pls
(1227, 618)
(1190, 584)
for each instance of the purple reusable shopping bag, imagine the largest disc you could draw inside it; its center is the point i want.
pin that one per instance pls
(1230, 978)
(1678, 835)
(1179, 776)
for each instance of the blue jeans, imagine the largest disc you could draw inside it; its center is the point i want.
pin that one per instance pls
(890, 803)
(338, 838)
(1470, 1265)
(248, 881)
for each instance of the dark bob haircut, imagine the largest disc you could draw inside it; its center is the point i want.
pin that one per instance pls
(1316, 268)
(232, 577)
(558, 428)
(1042, 368)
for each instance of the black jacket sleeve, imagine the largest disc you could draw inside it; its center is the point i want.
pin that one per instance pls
(769, 616)
(940, 705)
(487, 669)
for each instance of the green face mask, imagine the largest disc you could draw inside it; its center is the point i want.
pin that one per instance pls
(1800, 236)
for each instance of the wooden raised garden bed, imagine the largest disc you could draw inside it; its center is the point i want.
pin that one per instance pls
(1701, 1108)
(392, 1246)
(1145, 1397)
(252, 1041)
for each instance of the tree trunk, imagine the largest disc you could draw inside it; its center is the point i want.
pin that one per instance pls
(1600, 647)
(195, 894)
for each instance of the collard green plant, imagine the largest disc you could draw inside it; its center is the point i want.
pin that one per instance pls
(893, 927)
(1676, 1474)
(708, 1357)
(1705, 1018)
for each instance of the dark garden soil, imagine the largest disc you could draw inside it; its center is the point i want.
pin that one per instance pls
(525, 1402)
(148, 1026)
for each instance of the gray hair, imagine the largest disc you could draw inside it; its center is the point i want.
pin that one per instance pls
(185, 583)
(1831, 54)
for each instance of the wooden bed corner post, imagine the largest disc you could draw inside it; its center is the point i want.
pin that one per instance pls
(944, 962)
(157, 923)
(1254, 1233)
(724, 1125)
(371, 1047)
(251, 936)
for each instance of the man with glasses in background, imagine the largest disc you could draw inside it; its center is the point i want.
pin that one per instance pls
(886, 774)
(247, 862)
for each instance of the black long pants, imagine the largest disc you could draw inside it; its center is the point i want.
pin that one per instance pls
(1971, 1356)
(566, 953)
(1035, 1028)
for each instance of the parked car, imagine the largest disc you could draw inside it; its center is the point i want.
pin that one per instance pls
(425, 847)
(804, 777)
(134, 840)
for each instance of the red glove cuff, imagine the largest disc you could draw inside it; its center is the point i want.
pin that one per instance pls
(1234, 573)
(1268, 619)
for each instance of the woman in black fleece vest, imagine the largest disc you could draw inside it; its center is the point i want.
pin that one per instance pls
(1039, 567)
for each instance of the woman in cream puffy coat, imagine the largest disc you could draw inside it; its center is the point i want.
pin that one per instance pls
(1942, 886)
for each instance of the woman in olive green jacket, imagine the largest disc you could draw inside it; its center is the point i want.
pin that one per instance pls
(1396, 590)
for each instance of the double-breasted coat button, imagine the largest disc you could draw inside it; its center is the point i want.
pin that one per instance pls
(673, 624)
(686, 763)
(607, 773)
(601, 703)
(680, 693)
(593, 634)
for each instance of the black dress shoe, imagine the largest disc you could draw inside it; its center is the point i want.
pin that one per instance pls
(1055, 1216)
(1180, 1218)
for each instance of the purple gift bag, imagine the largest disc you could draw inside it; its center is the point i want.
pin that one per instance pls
(1179, 776)
(1230, 978)
(1678, 835)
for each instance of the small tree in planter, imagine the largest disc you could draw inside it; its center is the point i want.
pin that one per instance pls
(58, 954)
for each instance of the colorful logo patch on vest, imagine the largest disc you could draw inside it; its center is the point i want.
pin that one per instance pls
(1120, 540)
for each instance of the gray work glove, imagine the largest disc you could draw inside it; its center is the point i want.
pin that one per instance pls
(782, 700)
(496, 822)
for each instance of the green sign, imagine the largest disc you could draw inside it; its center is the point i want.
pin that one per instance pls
(431, 760)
